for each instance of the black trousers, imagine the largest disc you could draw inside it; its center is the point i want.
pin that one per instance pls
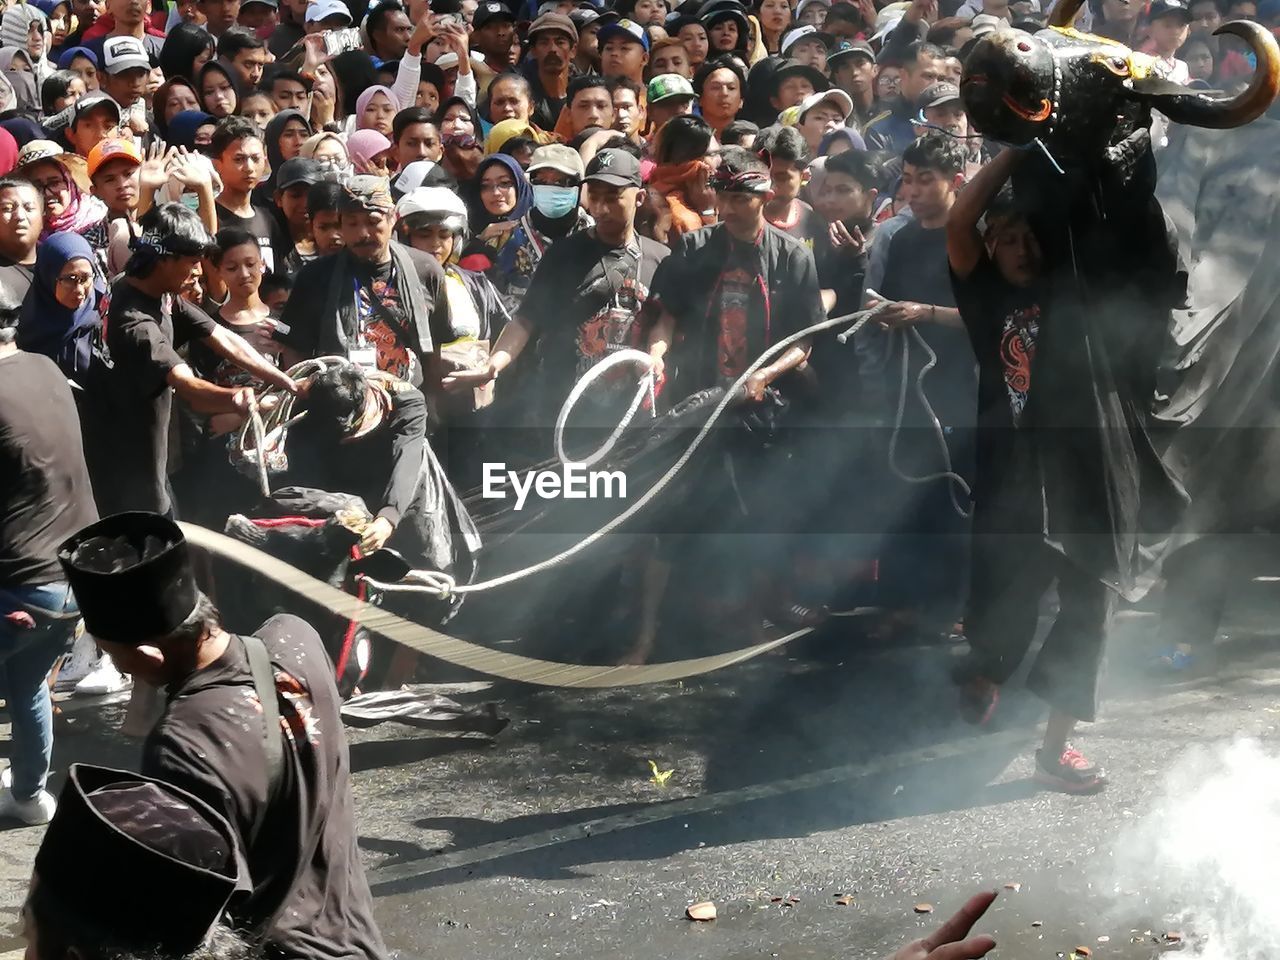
(1010, 575)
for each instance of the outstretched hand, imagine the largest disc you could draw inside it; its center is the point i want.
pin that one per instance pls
(951, 941)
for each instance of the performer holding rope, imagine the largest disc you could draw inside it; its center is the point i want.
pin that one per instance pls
(727, 293)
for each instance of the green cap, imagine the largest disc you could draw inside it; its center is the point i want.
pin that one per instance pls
(670, 86)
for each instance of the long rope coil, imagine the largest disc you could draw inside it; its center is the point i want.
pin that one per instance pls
(472, 656)
(442, 583)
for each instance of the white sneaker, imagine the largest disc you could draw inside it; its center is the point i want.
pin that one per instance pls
(103, 679)
(79, 663)
(38, 810)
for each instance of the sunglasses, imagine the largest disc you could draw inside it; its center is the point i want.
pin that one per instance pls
(461, 141)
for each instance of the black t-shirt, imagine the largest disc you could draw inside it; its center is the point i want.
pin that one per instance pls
(45, 495)
(383, 467)
(266, 228)
(585, 303)
(382, 331)
(15, 281)
(304, 865)
(1003, 322)
(128, 463)
(917, 270)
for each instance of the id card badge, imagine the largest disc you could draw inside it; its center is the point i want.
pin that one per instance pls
(365, 357)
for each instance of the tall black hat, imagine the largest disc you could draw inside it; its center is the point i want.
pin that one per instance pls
(131, 575)
(178, 854)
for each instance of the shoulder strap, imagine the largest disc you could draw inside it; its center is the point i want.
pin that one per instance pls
(264, 684)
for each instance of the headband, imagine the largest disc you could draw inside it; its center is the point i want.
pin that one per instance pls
(750, 181)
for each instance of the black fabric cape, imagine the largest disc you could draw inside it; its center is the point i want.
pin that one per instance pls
(1220, 389)
(1108, 499)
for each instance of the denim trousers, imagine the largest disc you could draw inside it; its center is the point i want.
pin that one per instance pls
(28, 650)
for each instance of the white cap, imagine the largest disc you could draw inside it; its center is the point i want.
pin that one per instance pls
(450, 59)
(318, 10)
(795, 35)
(835, 95)
(805, 4)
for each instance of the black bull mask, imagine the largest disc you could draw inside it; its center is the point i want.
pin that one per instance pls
(1079, 94)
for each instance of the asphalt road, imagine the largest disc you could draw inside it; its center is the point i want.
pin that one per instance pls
(795, 780)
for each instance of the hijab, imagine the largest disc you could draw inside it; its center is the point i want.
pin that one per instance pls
(312, 143)
(183, 127)
(9, 152)
(231, 79)
(83, 210)
(362, 101)
(481, 217)
(16, 22)
(161, 95)
(505, 130)
(363, 146)
(69, 54)
(23, 130)
(438, 119)
(271, 137)
(46, 326)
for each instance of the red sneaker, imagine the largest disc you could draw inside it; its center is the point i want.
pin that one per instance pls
(1072, 773)
(978, 700)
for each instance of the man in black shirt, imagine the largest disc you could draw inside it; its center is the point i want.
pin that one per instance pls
(587, 298)
(241, 161)
(923, 557)
(147, 323)
(376, 302)
(553, 41)
(21, 220)
(727, 293)
(252, 728)
(1000, 287)
(44, 498)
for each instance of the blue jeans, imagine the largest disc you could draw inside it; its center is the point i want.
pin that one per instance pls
(27, 654)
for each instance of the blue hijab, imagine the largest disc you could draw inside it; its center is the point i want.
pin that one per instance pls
(24, 130)
(183, 127)
(524, 192)
(45, 326)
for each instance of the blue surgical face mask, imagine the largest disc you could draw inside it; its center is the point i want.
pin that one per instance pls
(554, 202)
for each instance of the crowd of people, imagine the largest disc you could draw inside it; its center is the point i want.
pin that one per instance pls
(460, 207)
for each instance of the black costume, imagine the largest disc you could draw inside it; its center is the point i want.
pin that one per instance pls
(256, 735)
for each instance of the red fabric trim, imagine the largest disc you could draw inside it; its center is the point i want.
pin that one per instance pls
(348, 638)
(272, 522)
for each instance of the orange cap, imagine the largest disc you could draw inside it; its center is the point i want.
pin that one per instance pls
(112, 149)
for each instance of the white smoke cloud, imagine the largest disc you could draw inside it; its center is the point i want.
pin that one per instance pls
(1210, 852)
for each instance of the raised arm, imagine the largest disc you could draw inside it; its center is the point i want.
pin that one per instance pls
(964, 243)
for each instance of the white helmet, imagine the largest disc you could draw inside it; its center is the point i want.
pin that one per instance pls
(438, 204)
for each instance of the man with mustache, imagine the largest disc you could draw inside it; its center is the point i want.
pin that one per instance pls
(374, 300)
(553, 42)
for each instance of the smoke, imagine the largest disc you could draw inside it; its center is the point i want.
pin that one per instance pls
(1207, 851)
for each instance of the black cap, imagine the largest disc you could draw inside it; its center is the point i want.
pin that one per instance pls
(138, 859)
(846, 48)
(299, 170)
(936, 94)
(794, 68)
(89, 102)
(491, 10)
(1166, 8)
(131, 575)
(617, 168)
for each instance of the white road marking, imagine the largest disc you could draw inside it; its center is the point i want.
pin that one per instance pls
(657, 812)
